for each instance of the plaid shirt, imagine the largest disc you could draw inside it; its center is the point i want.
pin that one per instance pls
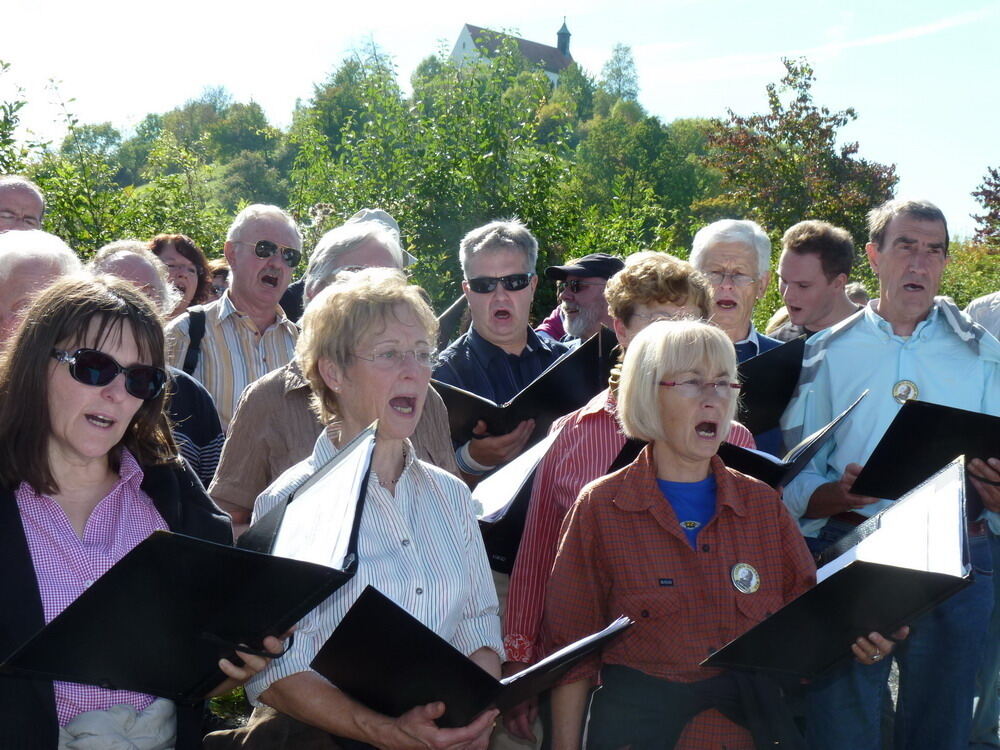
(623, 551)
(66, 565)
(590, 440)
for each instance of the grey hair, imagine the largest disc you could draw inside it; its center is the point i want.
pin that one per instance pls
(35, 245)
(879, 218)
(508, 234)
(325, 259)
(167, 297)
(743, 231)
(257, 211)
(19, 181)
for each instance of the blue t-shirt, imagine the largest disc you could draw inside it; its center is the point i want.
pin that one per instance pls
(693, 502)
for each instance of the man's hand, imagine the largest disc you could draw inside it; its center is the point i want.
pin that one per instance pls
(519, 720)
(985, 477)
(834, 497)
(418, 730)
(493, 451)
(252, 664)
(876, 646)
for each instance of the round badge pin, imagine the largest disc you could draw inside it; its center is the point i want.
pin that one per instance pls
(905, 390)
(745, 578)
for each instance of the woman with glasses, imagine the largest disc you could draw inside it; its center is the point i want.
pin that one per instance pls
(188, 269)
(367, 349)
(652, 286)
(89, 469)
(695, 553)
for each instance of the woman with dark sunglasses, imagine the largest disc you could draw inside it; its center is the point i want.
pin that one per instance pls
(88, 470)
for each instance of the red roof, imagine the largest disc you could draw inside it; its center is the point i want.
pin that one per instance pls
(548, 57)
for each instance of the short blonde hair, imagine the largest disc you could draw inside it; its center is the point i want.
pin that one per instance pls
(663, 348)
(345, 312)
(650, 277)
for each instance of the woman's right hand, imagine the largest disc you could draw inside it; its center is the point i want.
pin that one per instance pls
(418, 730)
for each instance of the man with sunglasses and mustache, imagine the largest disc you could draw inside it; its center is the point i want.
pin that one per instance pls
(246, 333)
(500, 354)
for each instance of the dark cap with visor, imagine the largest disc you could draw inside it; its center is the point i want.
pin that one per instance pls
(601, 265)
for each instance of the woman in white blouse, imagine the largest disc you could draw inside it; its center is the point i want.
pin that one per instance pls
(367, 348)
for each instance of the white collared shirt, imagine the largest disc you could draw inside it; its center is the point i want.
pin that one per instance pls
(421, 548)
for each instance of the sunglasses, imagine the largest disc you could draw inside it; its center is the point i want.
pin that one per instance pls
(576, 285)
(513, 282)
(266, 248)
(93, 367)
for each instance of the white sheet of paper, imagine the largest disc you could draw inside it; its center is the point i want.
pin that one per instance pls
(921, 531)
(317, 524)
(495, 493)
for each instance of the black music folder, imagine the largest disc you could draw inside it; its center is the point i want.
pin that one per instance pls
(769, 381)
(779, 472)
(900, 564)
(160, 619)
(567, 384)
(922, 438)
(377, 638)
(504, 497)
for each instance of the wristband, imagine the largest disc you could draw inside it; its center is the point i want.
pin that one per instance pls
(468, 464)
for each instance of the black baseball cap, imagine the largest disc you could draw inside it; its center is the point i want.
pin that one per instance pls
(596, 264)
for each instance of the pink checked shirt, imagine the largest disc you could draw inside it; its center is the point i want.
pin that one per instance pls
(590, 441)
(65, 564)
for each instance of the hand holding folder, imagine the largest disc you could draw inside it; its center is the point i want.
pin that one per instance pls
(567, 384)
(378, 638)
(890, 570)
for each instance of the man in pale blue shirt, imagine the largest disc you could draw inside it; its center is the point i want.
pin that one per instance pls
(908, 343)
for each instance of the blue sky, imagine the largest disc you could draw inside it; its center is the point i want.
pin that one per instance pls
(922, 75)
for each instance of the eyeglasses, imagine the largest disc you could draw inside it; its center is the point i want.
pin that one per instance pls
(718, 278)
(93, 367)
(218, 289)
(389, 358)
(513, 282)
(266, 248)
(575, 285)
(695, 388)
(9, 217)
(190, 270)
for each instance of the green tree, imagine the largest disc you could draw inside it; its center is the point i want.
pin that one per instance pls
(619, 76)
(462, 150)
(14, 153)
(784, 165)
(988, 196)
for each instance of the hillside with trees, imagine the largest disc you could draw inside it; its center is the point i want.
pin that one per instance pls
(583, 163)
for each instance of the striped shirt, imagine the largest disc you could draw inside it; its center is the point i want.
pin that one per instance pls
(65, 565)
(233, 352)
(421, 548)
(589, 442)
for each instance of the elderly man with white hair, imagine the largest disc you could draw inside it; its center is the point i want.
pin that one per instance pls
(30, 260)
(190, 407)
(735, 255)
(244, 334)
(274, 426)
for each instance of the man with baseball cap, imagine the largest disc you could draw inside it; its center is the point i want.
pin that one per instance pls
(581, 293)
